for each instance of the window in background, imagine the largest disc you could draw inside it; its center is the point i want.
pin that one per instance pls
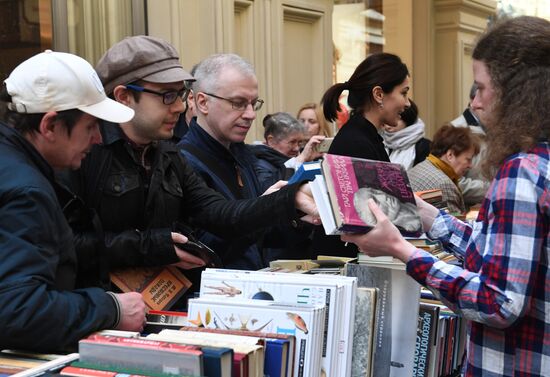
(25, 30)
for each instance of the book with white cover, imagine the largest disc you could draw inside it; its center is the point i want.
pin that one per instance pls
(303, 289)
(305, 322)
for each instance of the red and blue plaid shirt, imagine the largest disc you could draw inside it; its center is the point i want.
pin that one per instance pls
(504, 288)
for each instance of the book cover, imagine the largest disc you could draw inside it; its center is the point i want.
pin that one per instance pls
(306, 172)
(396, 317)
(158, 320)
(276, 358)
(160, 287)
(218, 361)
(363, 332)
(143, 354)
(425, 339)
(300, 289)
(305, 322)
(352, 181)
(286, 338)
(248, 357)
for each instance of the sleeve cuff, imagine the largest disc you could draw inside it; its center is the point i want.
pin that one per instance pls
(118, 309)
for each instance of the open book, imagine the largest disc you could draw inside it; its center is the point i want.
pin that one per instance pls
(342, 191)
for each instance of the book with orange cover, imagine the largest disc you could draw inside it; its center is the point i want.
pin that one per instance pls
(160, 287)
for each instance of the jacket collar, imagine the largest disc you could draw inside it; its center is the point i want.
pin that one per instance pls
(197, 135)
(12, 136)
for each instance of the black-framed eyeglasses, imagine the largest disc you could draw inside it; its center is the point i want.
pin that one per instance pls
(168, 98)
(240, 104)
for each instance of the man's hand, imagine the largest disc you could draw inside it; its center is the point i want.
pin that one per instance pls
(427, 213)
(275, 187)
(305, 203)
(383, 239)
(132, 311)
(187, 260)
(310, 152)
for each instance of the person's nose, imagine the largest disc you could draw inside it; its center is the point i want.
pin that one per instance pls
(249, 112)
(178, 106)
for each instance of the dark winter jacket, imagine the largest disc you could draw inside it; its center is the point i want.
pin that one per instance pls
(39, 310)
(270, 166)
(139, 209)
(222, 170)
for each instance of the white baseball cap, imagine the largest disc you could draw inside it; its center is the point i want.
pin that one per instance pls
(57, 81)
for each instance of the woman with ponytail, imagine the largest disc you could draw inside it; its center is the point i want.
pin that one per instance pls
(377, 95)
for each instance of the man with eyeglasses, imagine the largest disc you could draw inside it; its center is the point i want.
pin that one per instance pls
(226, 100)
(142, 189)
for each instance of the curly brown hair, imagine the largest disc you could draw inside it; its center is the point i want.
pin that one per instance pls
(516, 53)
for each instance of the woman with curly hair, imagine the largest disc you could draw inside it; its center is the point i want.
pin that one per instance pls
(503, 287)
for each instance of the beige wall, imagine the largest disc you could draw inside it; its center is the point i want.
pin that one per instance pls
(288, 41)
(458, 23)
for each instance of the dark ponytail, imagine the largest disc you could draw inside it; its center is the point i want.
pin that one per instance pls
(380, 69)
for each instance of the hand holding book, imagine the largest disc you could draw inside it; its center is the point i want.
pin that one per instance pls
(383, 239)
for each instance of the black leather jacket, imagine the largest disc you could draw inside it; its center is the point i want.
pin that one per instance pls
(139, 209)
(39, 308)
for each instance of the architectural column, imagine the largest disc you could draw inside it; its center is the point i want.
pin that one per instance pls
(458, 23)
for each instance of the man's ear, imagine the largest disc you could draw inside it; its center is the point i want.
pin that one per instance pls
(47, 125)
(122, 95)
(201, 103)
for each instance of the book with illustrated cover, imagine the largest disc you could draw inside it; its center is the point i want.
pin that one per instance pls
(305, 322)
(160, 287)
(333, 292)
(396, 316)
(351, 181)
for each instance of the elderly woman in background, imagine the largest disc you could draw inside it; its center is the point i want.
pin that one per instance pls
(311, 114)
(451, 154)
(280, 154)
(405, 141)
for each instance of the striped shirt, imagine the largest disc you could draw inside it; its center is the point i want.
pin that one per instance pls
(504, 288)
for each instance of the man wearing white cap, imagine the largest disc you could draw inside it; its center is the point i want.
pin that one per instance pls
(53, 102)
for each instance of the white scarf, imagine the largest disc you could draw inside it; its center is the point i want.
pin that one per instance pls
(400, 145)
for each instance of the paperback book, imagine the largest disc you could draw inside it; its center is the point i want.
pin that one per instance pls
(160, 287)
(347, 184)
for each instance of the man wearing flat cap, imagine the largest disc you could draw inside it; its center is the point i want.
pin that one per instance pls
(143, 190)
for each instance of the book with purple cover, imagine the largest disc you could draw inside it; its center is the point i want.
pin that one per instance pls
(351, 181)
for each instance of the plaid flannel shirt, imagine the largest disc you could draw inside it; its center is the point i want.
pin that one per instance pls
(504, 288)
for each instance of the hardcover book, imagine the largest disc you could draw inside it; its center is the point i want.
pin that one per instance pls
(334, 293)
(363, 332)
(143, 354)
(396, 316)
(306, 172)
(160, 287)
(305, 322)
(269, 337)
(248, 357)
(351, 181)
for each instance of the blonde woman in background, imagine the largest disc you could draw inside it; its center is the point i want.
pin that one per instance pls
(311, 114)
